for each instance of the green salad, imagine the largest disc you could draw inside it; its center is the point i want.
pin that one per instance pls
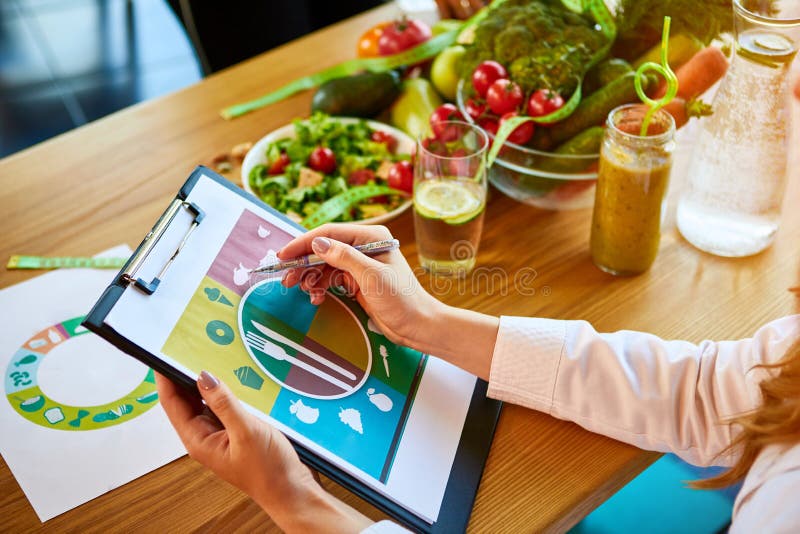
(333, 170)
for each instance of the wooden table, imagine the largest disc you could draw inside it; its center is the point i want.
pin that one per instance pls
(106, 183)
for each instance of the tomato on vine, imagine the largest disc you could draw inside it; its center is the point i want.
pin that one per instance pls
(504, 96)
(486, 74)
(368, 42)
(402, 34)
(544, 102)
(522, 133)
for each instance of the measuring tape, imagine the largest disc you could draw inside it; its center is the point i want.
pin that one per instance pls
(335, 206)
(419, 53)
(424, 51)
(61, 262)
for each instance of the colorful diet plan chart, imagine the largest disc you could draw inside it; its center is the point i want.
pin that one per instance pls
(324, 375)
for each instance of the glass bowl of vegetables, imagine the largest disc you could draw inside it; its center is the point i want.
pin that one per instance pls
(560, 179)
(325, 168)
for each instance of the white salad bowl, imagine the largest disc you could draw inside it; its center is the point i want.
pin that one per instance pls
(258, 156)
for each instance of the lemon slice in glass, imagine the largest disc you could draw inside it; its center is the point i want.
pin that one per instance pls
(454, 202)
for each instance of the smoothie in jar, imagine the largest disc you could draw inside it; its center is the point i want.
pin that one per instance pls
(631, 188)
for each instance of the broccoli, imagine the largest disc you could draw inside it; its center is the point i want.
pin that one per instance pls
(513, 42)
(542, 43)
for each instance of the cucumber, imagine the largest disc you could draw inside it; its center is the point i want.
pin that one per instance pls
(595, 108)
(585, 143)
(360, 95)
(604, 73)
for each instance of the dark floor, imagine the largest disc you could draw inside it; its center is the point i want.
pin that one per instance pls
(64, 63)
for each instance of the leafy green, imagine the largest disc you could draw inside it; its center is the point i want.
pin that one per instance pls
(353, 148)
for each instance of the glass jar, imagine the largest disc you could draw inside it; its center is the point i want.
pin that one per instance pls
(631, 188)
(737, 175)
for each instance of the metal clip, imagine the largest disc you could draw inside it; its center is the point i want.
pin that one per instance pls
(152, 238)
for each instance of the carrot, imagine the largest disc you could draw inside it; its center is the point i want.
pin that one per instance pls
(698, 74)
(683, 110)
(797, 89)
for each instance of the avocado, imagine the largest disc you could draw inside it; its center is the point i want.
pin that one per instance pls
(360, 95)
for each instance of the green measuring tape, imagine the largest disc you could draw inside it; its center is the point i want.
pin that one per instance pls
(424, 51)
(419, 53)
(335, 206)
(604, 19)
(61, 262)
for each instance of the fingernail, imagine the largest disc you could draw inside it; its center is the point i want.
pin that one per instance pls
(321, 245)
(207, 381)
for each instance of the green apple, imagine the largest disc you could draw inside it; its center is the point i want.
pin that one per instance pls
(444, 74)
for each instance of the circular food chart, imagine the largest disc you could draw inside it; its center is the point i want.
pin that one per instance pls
(25, 395)
(321, 351)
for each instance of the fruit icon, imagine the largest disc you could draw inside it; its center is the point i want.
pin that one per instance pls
(383, 402)
(304, 413)
(352, 418)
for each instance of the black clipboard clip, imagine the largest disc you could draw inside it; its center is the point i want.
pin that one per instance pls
(129, 274)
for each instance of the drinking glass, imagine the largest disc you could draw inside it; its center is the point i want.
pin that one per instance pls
(739, 167)
(450, 197)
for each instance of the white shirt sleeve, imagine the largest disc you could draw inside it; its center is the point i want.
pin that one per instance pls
(668, 396)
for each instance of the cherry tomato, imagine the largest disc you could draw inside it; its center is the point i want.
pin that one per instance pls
(544, 102)
(386, 138)
(322, 159)
(458, 165)
(489, 124)
(522, 133)
(434, 146)
(280, 164)
(504, 96)
(402, 34)
(442, 114)
(401, 176)
(368, 43)
(475, 108)
(361, 177)
(485, 75)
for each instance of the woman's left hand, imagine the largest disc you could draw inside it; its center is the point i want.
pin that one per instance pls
(252, 455)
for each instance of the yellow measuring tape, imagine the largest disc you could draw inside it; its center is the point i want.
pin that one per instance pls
(63, 262)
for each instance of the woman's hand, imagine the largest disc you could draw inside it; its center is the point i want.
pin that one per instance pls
(253, 456)
(384, 285)
(387, 289)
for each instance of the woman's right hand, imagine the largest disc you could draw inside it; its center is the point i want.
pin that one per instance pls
(384, 285)
(387, 289)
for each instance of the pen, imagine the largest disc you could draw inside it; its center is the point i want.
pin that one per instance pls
(370, 249)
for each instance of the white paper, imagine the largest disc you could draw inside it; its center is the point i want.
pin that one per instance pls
(59, 469)
(423, 460)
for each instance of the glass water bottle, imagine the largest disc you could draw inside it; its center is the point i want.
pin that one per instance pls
(737, 175)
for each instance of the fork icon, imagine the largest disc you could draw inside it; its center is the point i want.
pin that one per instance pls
(274, 350)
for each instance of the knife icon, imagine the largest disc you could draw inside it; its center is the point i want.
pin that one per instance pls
(303, 350)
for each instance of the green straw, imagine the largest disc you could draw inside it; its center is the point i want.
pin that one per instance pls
(665, 71)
